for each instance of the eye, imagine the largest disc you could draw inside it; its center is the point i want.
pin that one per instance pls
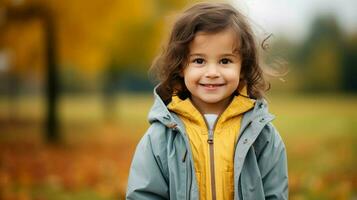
(198, 61)
(225, 61)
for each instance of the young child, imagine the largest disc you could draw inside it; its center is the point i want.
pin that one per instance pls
(210, 135)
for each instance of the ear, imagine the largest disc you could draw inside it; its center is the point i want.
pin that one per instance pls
(181, 74)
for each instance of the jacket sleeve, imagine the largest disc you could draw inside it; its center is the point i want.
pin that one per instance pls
(146, 178)
(273, 165)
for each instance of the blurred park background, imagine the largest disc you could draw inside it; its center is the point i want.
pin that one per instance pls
(74, 92)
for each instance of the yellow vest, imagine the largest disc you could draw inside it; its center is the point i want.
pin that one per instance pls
(225, 136)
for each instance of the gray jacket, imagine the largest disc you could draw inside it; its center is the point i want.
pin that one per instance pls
(162, 167)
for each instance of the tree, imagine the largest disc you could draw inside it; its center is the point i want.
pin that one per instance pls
(320, 56)
(42, 13)
(349, 65)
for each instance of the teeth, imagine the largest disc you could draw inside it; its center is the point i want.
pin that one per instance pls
(211, 85)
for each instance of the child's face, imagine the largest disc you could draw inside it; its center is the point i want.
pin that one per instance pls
(213, 70)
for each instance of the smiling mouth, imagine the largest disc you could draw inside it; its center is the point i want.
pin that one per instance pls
(211, 85)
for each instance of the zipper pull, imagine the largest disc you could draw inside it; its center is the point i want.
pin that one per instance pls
(210, 137)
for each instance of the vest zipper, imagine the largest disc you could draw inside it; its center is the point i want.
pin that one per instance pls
(211, 154)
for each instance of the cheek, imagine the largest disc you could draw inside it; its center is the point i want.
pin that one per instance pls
(190, 74)
(233, 74)
(187, 77)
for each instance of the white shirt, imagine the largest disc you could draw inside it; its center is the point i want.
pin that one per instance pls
(211, 120)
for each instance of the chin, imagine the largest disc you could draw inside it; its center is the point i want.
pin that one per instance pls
(212, 101)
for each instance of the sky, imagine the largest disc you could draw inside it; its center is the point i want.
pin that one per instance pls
(292, 18)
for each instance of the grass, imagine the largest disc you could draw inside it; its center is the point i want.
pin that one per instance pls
(320, 133)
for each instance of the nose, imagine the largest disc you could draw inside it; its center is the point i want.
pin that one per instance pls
(212, 71)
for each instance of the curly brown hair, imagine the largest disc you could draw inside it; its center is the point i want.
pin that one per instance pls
(209, 18)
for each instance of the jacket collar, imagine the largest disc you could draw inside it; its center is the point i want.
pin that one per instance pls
(185, 108)
(160, 113)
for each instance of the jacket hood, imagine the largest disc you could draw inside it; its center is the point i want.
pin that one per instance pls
(160, 113)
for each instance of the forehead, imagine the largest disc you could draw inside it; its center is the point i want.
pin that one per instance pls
(225, 40)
